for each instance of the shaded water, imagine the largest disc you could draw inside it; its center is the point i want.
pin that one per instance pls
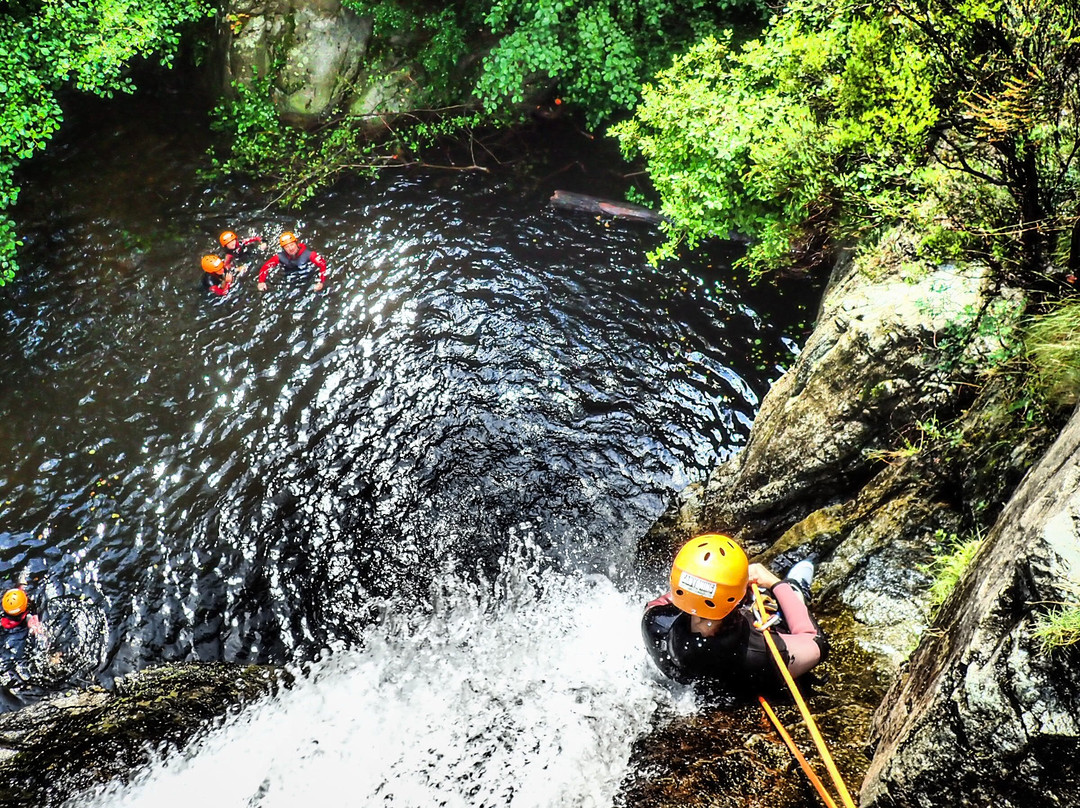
(422, 485)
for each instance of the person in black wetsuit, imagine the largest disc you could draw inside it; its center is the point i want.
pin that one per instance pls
(16, 623)
(703, 629)
(295, 257)
(237, 250)
(216, 277)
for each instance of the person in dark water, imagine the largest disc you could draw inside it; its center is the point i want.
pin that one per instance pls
(704, 629)
(295, 257)
(237, 250)
(216, 278)
(16, 623)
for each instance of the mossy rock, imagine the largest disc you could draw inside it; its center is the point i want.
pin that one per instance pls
(70, 743)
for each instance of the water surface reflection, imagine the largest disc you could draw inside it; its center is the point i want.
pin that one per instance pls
(256, 478)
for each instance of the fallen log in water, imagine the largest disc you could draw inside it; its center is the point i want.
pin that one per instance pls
(596, 206)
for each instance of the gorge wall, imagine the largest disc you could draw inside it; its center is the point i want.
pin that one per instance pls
(894, 430)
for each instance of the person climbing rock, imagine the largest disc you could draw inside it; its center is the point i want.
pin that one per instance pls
(296, 258)
(237, 250)
(16, 623)
(216, 278)
(704, 628)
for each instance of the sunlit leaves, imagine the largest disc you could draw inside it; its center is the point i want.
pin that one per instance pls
(596, 53)
(961, 118)
(85, 44)
(823, 114)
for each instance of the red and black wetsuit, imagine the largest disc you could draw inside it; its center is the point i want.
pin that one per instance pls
(241, 252)
(736, 657)
(8, 622)
(299, 263)
(218, 284)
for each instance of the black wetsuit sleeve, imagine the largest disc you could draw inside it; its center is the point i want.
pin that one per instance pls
(656, 626)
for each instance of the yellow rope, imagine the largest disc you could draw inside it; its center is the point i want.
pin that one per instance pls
(829, 801)
(819, 742)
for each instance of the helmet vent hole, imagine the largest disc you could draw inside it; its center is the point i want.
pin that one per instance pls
(707, 557)
(710, 604)
(729, 600)
(679, 592)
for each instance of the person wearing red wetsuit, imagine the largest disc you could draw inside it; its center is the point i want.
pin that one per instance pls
(236, 249)
(704, 630)
(295, 256)
(217, 278)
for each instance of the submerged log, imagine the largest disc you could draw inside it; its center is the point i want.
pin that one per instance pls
(583, 203)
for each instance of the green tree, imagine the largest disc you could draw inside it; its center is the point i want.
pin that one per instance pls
(597, 53)
(83, 44)
(822, 120)
(1007, 80)
(843, 120)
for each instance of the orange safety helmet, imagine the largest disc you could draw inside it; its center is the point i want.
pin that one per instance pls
(287, 238)
(709, 576)
(15, 602)
(213, 263)
(226, 237)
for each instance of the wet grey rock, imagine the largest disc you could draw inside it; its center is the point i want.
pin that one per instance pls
(880, 359)
(63, 746)
(977, 716)
(983, 715)
(312, 50)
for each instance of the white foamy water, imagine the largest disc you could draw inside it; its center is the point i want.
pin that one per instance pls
(531, 696)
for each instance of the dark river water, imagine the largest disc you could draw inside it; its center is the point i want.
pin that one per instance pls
(471, 425)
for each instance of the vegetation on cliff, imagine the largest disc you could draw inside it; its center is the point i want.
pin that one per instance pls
(594, 56)
(85, 46)
(962, 120)
(1054, 352)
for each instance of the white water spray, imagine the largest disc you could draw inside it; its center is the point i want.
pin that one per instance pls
(534, 701)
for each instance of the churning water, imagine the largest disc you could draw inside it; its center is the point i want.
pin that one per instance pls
(534, 701)
(420, 488)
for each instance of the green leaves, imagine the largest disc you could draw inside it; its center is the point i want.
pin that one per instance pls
(83, 44)
(825, 118)
(961, 119)
(597, 54)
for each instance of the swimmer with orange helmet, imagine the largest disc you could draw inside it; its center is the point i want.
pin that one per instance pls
(17, 612)
(16, 622)
(237, 250)
(295, 257)
(217, 278)
(704, 629)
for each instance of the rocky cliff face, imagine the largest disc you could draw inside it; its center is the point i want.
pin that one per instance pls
(311, 50)
(320, 59)
(883, 355)
(983, 715)
(892, 431)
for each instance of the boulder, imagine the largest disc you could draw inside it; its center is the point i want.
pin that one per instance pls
(886, 352)
(310, 50)
(984, 715)
(892, 433)
(65, 745)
